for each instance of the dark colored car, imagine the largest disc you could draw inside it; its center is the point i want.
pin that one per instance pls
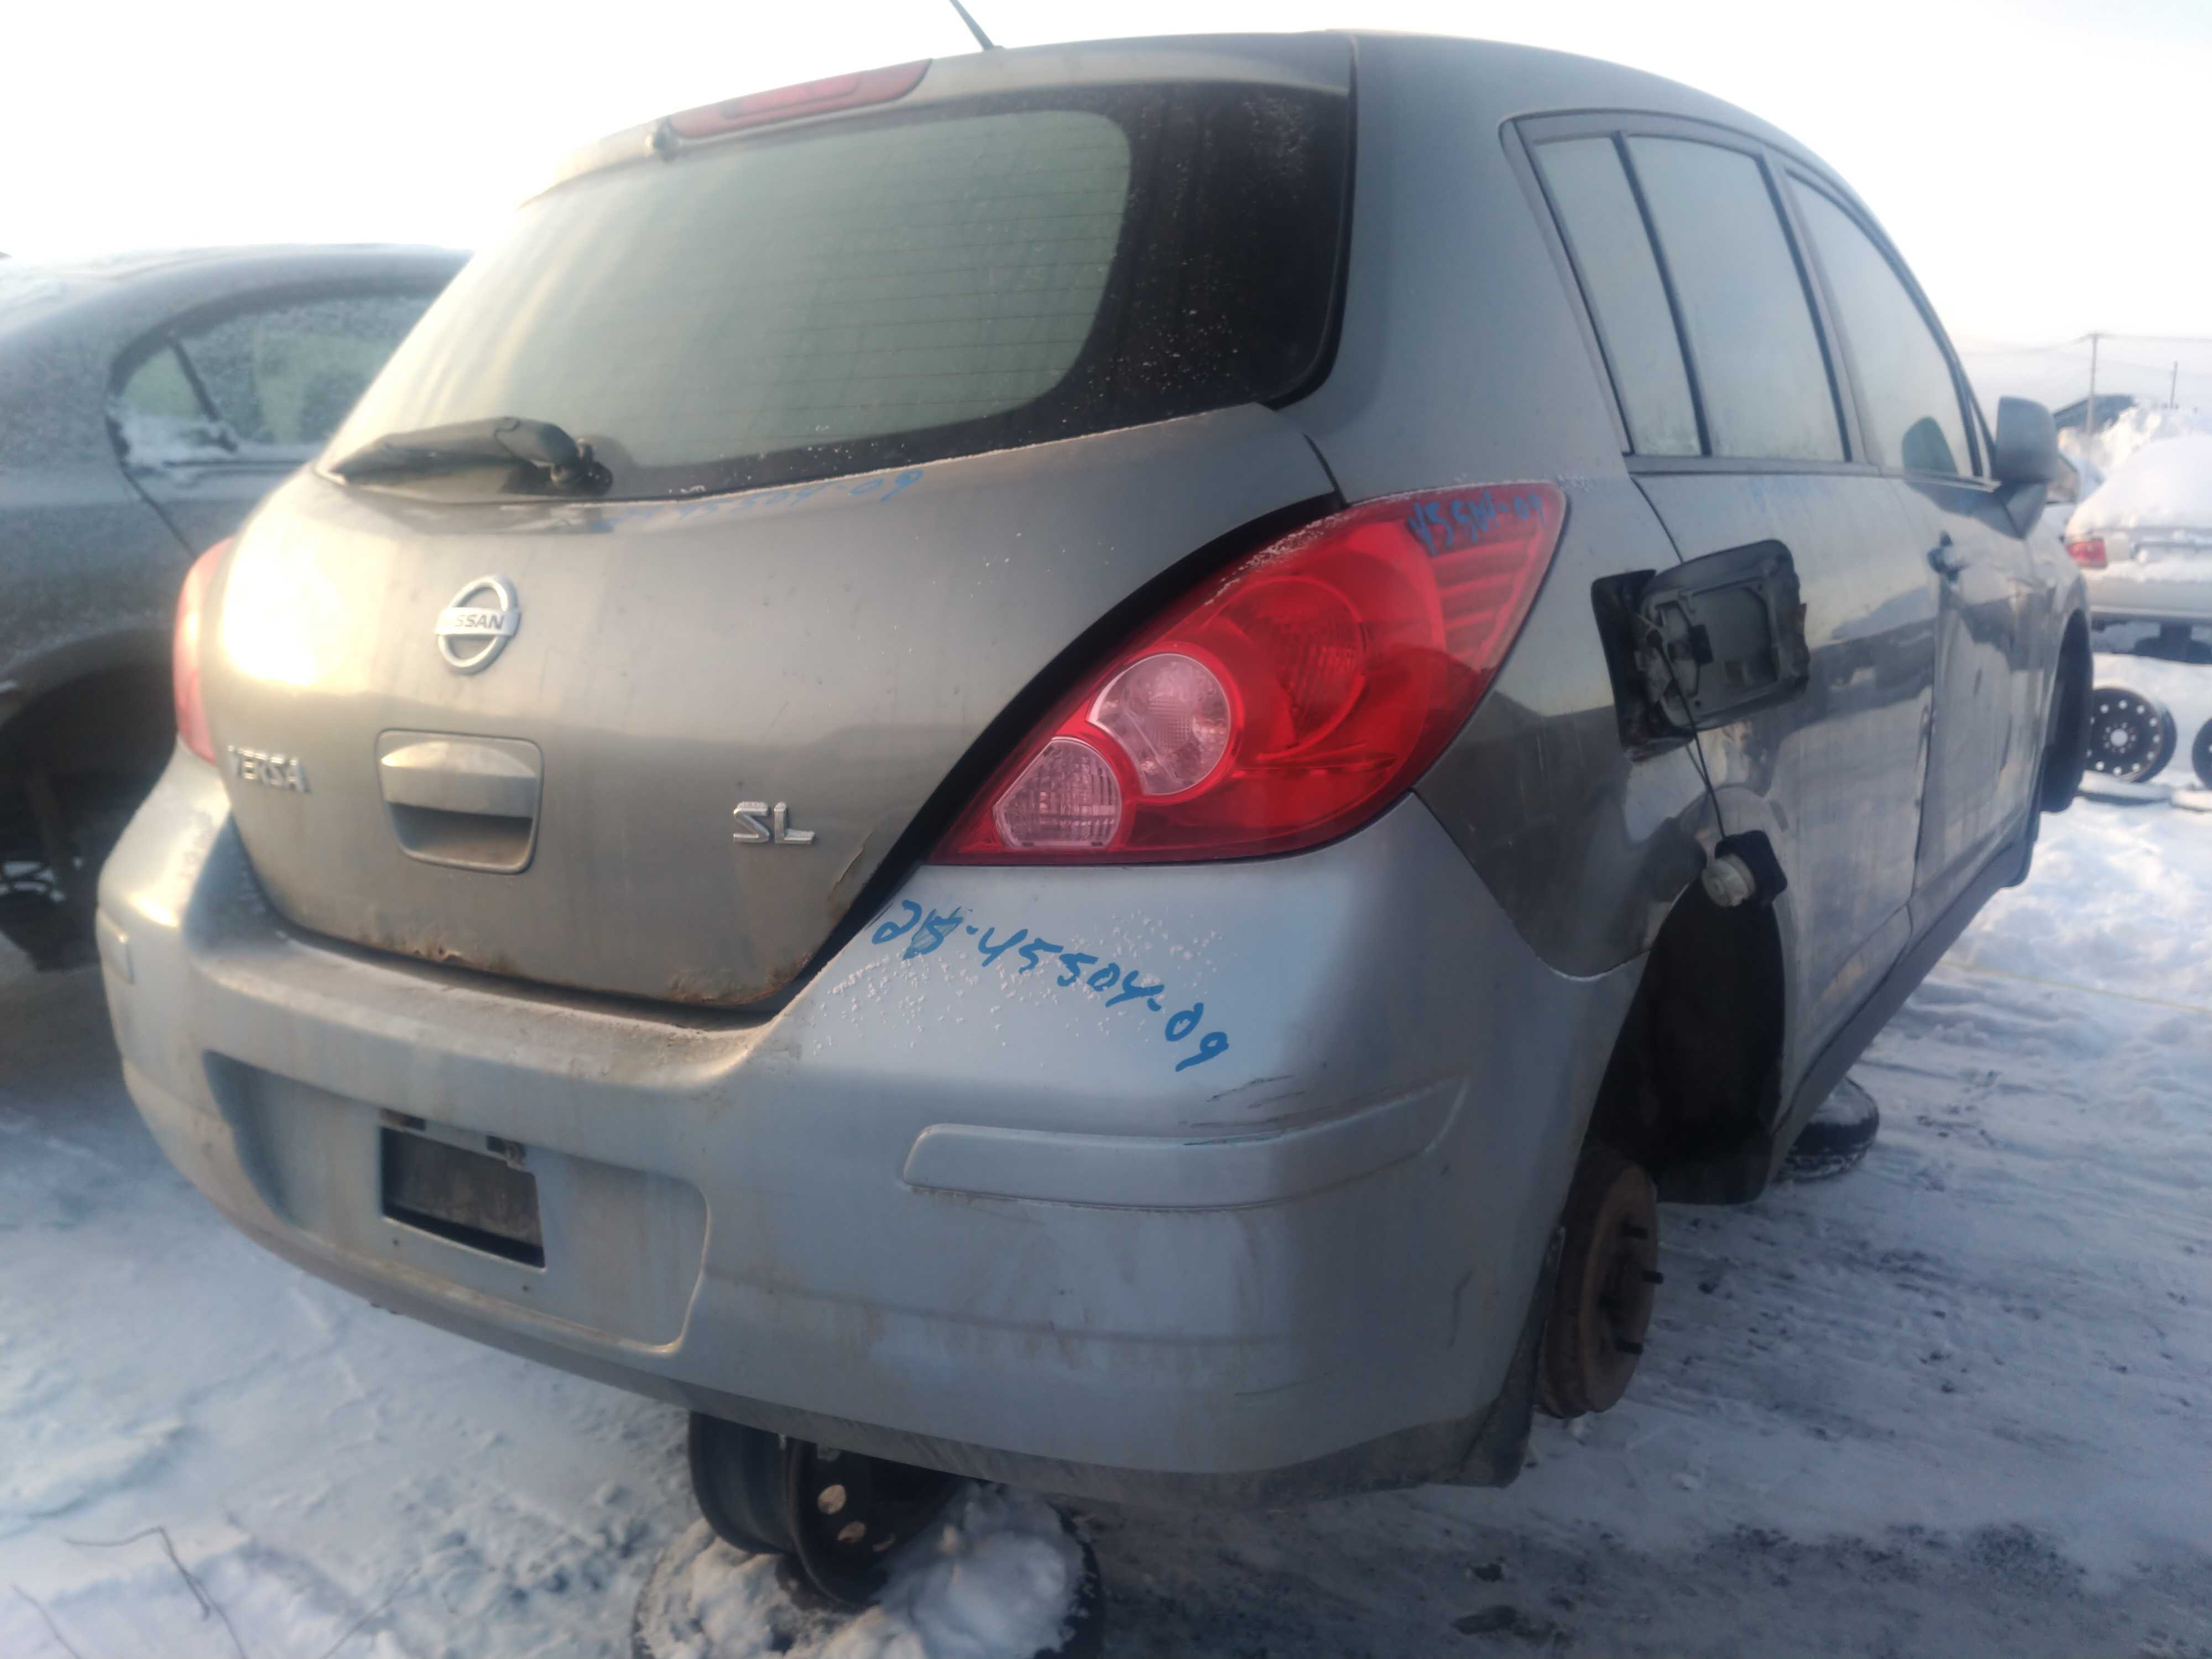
(1079, 765)
(146, 403)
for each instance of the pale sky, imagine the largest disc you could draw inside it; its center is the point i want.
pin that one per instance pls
(2042, 163)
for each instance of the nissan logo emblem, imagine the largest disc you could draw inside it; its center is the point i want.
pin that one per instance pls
(471, 634)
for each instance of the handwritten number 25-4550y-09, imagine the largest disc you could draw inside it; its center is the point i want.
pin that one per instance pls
(926, 932)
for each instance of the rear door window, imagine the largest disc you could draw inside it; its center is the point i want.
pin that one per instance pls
(1627, 297)
(883, 289)
(1908, 399)
(268, 383)
(285, 376)
(1753, 347)
(160, 417)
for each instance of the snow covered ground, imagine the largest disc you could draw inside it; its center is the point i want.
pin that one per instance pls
(1959, 1402)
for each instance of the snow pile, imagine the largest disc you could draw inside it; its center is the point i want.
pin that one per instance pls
(2138, 427)
(2165, 483)
(2075, 448)
(154, 442)
(998, 1579)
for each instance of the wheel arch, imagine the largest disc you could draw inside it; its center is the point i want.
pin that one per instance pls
(2066, 756)
(1693, 1087)
(102, 707)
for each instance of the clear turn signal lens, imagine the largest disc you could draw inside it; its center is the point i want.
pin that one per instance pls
(1067, 799)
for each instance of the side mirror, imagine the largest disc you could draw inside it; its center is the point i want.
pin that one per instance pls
(2026, 461)
(2027, 444)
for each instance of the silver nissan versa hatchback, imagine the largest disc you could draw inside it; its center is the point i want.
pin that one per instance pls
(1080, 766)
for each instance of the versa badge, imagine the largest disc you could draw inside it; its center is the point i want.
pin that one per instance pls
(271, 771)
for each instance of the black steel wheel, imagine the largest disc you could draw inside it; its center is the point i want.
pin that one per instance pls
(848, 1512)
(2200, 754)
(2131, 737)
(1602, 1298)
(836, 1513)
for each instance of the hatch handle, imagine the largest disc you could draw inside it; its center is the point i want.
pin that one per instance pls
(487, 777)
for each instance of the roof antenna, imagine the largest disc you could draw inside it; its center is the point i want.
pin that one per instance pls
(974, 27)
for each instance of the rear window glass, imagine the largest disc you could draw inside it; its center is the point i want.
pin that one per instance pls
(901, 288)
(1612, 252)
(1760, 367)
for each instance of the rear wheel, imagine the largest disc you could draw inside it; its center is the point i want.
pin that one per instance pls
(836, 1514)
(1601, 1299)
(55, 835)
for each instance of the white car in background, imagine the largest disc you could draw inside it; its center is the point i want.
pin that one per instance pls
(2143, 535)
(2143, 539)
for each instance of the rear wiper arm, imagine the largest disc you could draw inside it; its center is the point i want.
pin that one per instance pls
(502, 441)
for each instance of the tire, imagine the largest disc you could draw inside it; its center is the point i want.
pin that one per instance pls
(2200, 754)
(2066, 752)
(2131, 737)
(47, 913)
(737, 1477)
(1837, 1138)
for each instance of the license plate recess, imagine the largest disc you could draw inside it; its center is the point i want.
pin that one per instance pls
(477, 1199)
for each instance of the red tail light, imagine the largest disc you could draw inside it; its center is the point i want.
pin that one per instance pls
(185, 656)
(1286, 701)
(836, 92)
(2088, 553)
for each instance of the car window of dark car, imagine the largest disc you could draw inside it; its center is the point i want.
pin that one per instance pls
(271, 383)
(1611, 254)
(1910, 402)
(283, 377)
(159, 418)
(1757, 355)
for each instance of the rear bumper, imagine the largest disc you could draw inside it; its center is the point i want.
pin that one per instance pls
(940, 1208)
(2120, 594)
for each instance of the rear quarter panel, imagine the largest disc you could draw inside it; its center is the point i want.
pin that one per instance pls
(1462, 360)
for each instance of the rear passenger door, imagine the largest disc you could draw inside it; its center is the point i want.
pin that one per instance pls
(1735, 424)
(1915, 420)
(209, 415)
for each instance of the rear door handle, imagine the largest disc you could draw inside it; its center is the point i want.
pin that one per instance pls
(1944, 559)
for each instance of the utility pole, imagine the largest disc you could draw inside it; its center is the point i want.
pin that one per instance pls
(2173, 386)
(2089, 409)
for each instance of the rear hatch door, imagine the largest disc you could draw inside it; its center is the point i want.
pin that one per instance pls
(893, 408)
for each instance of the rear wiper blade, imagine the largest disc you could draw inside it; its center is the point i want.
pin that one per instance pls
(502, 441)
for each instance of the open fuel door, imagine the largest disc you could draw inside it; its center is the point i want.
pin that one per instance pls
(1702, 644)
